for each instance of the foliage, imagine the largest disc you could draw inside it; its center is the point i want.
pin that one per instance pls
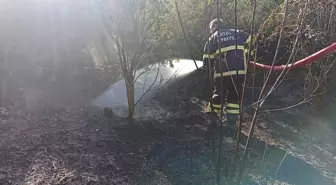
(196, 16)
(314, 33)
(69, 28)
(45, 42)
(135, 38)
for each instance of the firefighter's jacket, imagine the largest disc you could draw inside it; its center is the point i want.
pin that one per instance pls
(224, 45)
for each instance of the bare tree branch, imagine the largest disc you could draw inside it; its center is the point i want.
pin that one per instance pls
(143, 72)
(305, 100)
(150, 87)
(283, 74)
(254, 119)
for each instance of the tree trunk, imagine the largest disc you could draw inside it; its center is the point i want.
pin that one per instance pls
(129, 80)
(4, 76)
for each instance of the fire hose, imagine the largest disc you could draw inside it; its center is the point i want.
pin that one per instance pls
(300, 63)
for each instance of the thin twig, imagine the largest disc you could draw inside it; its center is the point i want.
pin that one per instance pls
(241, 107)
(283, 159)
(184, 34)
(150, 87)
(143, 72)
(305, 100)
(256, 112)
(218, 170)
(283, 74)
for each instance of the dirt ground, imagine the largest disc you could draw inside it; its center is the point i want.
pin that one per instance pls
(59, 143)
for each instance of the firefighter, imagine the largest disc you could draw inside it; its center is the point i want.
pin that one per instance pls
(232, 74)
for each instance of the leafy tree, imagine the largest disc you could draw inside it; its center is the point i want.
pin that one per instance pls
(132, 37)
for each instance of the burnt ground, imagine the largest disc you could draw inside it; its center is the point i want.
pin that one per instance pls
(57, 143)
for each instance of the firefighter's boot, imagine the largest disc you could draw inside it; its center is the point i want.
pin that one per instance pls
(212, 126)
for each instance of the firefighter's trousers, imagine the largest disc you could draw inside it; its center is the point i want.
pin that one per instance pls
(231, 93)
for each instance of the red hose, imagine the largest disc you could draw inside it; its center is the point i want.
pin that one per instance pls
(305, 61)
